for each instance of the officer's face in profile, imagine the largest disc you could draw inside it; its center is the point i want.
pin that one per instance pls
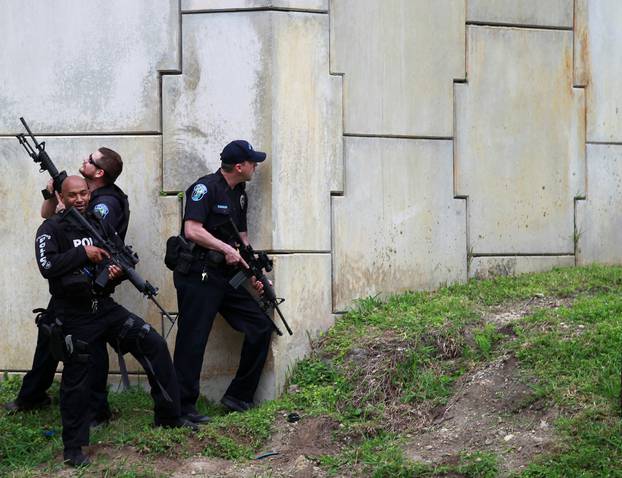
(75, 193)
(246, 170)
(90, 168)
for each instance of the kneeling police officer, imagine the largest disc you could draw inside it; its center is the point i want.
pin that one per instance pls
(87, 318)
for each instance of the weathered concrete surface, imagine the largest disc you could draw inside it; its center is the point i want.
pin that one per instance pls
(599, 217)
(219, 5)
(21, 286)
(397, 227)
(598, 56)
(71, 67)
(486, 267)
(551, 13)
(389, 51)
(519, 141)
(268, 83)
(152, 218)
(307, 309)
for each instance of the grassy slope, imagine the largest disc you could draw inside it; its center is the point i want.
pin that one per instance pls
(414, 347)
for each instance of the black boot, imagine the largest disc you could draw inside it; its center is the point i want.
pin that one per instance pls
(235, 404)
(175, 423)
(75, 457)
(20, 406)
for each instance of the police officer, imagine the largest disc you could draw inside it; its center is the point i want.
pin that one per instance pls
(67, 257)
(205, 290)
(100, 170)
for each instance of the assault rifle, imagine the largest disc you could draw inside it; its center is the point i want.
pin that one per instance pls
(257, 264)
(39, 155)
(121, 256)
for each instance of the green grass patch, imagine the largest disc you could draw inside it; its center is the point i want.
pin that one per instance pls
(405, 352)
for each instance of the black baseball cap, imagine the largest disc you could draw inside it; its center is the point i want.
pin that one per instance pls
(239, 151)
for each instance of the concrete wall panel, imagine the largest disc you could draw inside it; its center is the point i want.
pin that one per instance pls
(389, 51)
(219, 5)
(85, 66)
(599, 67)
(152, 219)
(216, 99)
(519, 155)
(21, 286)
(599, 217)
(551, 13)
(268, 83)
(307, 161)
(487, 267)
(397, 227)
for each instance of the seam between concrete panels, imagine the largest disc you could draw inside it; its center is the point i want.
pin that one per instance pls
(332, 244)
(576, 233)
(398, 136)
(524, 254)
(163, 73)
(288, 252)
(256, 9)
(518, 25)
(153, 134)
(605, 143)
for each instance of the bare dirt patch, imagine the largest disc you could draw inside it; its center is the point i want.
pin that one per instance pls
(505, 314)
(494, 410)
(289, 453)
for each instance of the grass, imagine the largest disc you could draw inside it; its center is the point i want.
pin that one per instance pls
(387, 357)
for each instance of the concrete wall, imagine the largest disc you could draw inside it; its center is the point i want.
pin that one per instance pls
(411, 143)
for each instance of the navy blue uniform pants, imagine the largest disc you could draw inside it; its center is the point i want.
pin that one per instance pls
(199, 301)
(149, 348)
(40, 377)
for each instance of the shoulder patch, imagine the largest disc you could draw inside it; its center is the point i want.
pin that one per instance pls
(101, 210)
(198, 192)
(242, 201)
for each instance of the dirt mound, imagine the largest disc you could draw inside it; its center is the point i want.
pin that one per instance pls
(493, 410)
(289, 453)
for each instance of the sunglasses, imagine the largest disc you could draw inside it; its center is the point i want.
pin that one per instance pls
(92, 161)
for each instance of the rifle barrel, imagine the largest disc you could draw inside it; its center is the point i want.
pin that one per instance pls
(278, 311)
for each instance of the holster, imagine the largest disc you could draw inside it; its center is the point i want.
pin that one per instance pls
(64, 347)
(178, 256)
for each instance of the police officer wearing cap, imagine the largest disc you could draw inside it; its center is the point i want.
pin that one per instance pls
(100, 170)
(205, 291)
(69, 259)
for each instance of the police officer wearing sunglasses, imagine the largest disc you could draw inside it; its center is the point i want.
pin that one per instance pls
(100, 170)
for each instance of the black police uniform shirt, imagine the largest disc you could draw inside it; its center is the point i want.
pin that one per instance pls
(212, 202)
(61, 254)
(111, 205)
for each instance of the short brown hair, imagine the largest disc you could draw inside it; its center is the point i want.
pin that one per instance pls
(227, 168)
(111, 163)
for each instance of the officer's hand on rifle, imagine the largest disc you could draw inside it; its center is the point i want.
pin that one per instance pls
(258, 286)
(233, 257)
(114, 272)
(96, 254)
